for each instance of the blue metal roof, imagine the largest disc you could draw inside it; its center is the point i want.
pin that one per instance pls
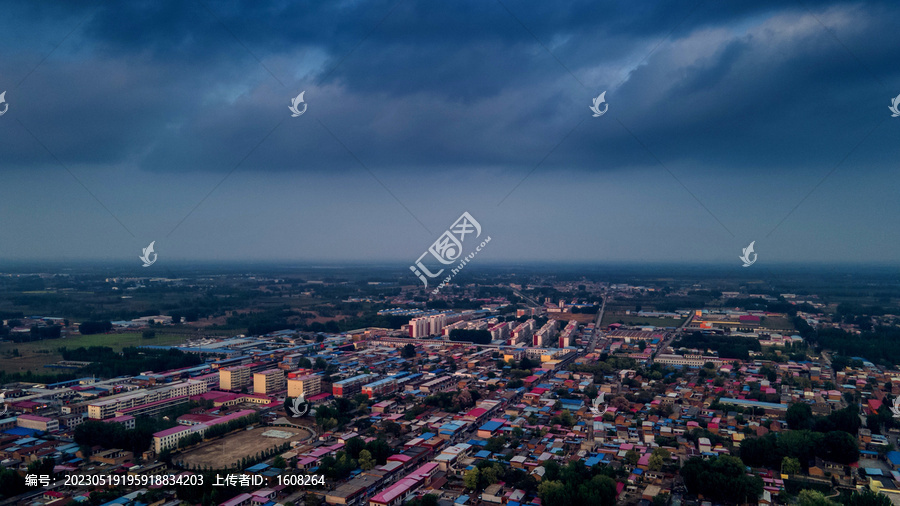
(894, 458)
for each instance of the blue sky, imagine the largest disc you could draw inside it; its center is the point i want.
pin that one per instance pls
(727, 123)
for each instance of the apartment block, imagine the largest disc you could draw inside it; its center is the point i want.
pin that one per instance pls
(440, 384)
(268, 381)
(350, 386)
(305, 386)
(37, 423)
(235, 377)
(380, 387)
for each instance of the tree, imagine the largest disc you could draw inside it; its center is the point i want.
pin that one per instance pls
(662, 452)
(565, 418)
(495, 444)
(621, 404)
(488, 476)
(722, 478)
(465, 399)
(632, 457)
(866, 497)
(469, 335)
(429, 500)
(839, 362)
(660, 500)
(554, 493)
(840, 447)
(600, 490)
(470, 480)
(366, 462)
(425, 500)
(361, 399)
(43, 466)
(790, 465)
(279, 462)
(95, 327)
(551, 470)
(799, 416)
(379, 450)
(408, 351)
(813, 498)
(655, 463)
(148, 334)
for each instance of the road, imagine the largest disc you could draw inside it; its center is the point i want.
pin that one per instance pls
(596, 334)
(528, 299)
(668, 341)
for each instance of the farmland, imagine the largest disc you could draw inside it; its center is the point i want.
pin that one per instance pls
(32, 356)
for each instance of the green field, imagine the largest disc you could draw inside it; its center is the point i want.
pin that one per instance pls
(609, 318)
(35, 354)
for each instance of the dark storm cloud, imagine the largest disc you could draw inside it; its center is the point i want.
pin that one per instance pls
(165, 86)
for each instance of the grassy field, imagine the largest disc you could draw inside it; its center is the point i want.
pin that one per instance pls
(34, 355)
(609, 318)
(564, 318)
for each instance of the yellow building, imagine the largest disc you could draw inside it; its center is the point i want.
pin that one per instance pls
(268, 381)
(304, 386)
(234, 378)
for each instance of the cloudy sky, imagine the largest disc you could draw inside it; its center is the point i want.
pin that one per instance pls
(728, 122)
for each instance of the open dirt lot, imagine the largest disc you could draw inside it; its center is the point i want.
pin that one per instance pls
(231, 449)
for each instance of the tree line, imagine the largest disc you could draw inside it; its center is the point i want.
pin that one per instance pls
(470, 335)
(726, 346)
(106, 362)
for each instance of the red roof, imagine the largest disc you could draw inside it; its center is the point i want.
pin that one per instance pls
(476, 412)
(25, 404)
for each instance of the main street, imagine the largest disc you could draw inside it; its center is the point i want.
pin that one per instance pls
(596, 334)
(671, 337)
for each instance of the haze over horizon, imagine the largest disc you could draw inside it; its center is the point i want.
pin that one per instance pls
(727, 124)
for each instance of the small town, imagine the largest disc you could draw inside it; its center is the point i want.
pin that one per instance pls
(508, 403)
